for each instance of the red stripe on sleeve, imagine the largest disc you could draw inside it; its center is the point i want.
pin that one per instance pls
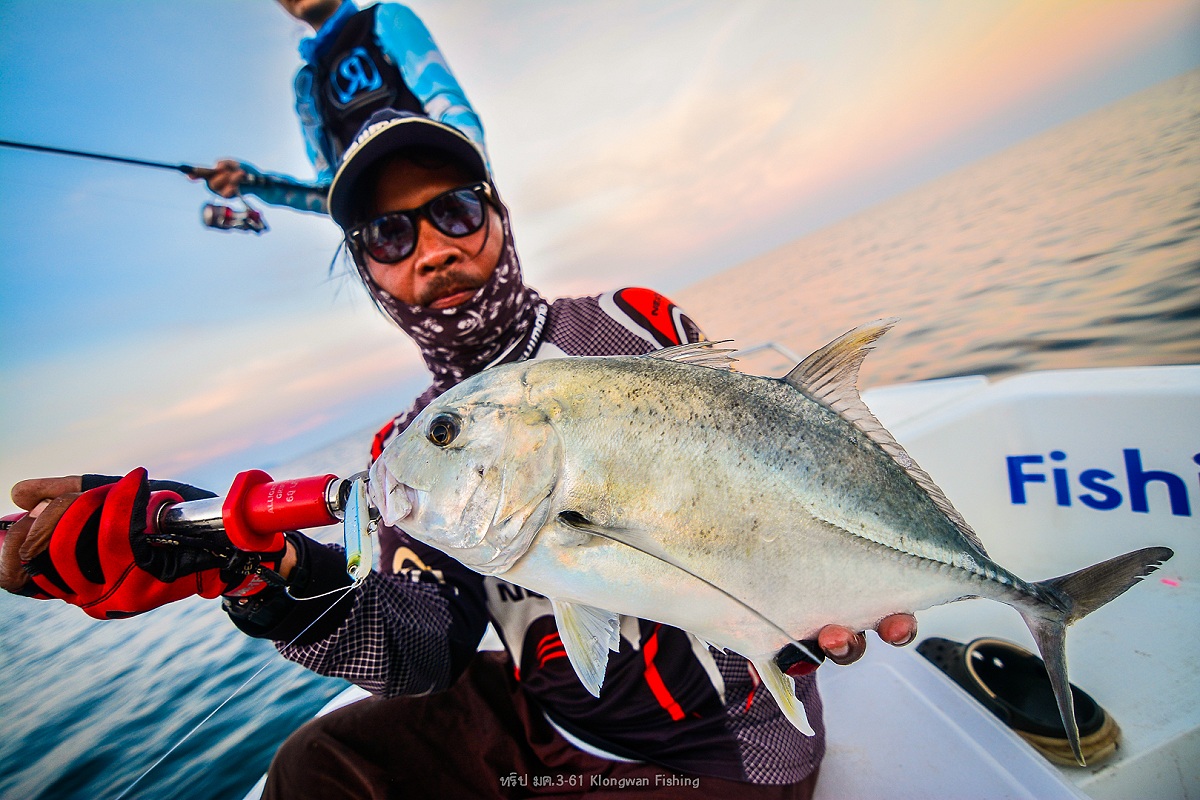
(654, 679)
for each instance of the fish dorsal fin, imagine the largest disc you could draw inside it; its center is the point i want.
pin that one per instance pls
(699, 354)
(587, 634)
(830, 376)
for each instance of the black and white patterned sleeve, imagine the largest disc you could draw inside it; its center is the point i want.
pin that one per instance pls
(398, 639)
(397, 633)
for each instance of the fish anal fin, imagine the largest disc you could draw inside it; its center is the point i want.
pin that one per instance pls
(588, 634)
(830, 376)
(707, 645)
(783, 688)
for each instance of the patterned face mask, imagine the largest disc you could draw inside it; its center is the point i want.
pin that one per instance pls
(498, 324)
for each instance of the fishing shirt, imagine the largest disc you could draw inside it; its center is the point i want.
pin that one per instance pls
(414, 624)
(357, 63)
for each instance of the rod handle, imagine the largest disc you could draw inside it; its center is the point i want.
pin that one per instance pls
(257, 507)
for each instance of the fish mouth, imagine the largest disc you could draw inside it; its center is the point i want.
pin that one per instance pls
(395, 500)
(468, 533)
(407, 507)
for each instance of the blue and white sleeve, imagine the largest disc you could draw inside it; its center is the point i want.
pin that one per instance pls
(406, 40)
(284, 190)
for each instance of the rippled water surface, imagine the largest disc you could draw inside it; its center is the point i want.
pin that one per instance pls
(89, 706)
(1077, 248)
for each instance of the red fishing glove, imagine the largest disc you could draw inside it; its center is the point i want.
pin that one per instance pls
(106, 556)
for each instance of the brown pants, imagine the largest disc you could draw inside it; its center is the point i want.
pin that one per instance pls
(480, 739)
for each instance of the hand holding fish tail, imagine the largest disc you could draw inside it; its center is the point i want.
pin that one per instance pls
(844, 646)
(91, 541)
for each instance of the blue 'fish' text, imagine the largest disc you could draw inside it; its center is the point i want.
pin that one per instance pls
(1101, 489)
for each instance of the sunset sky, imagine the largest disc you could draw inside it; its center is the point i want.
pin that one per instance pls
(650, 143)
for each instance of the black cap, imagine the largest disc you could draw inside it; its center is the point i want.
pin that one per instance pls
(386, 132)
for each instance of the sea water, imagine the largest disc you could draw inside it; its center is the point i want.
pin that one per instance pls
(1077, 248)
(89, 706)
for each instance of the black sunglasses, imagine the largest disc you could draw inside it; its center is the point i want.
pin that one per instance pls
(392, 237)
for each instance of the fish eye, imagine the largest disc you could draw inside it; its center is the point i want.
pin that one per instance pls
(442, 429)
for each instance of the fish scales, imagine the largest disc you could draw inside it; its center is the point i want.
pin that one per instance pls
(749, 511)
(781, 460)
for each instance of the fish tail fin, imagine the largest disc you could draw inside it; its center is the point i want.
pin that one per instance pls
(1092, 587)
(1051, 638)
(1081, 593)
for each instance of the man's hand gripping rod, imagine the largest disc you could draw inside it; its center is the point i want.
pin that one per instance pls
(257, 507)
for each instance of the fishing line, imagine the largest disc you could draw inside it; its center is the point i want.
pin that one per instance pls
(270, 660)
(318, 597)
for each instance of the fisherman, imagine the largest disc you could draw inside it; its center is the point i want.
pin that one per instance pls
(432, 243)
(356, 63)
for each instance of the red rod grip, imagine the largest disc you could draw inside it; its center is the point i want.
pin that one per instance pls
(257, 508)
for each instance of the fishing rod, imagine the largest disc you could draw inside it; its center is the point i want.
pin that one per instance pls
(257, 507)
(190, 170)
(214, 215)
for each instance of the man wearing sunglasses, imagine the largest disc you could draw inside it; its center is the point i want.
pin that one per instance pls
(432, 244)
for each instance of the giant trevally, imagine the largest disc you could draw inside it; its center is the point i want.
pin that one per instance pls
(748, 511)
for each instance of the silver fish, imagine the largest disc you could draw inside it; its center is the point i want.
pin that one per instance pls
(748, 511)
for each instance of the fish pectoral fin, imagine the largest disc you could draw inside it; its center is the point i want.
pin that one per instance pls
(573, 530)
(587, 635)
(783, 688)
(627, 536)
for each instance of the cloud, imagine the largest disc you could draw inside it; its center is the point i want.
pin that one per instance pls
(197, 394)
(690, 152)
